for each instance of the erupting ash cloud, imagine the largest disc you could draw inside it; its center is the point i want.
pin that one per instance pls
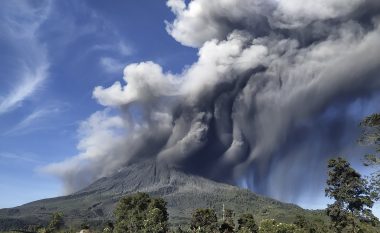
(278, 87)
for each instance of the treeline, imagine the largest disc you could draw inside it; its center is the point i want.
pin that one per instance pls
(142, 213)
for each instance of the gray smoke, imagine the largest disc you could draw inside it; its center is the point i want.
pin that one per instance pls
(278, 88)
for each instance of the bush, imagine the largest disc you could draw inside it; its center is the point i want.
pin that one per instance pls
(141, 213)
(271, 226)
(204, 220)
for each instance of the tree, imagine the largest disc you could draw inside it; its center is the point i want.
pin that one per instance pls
(141, 213)
(179, 230)
(351, 194)
(156, 221)
(204, 220)
(228, 224)
(307, 226)
(371, 137)
(108, 227)
(339, 216)
(271, 226)
(287, 228)
(246, 223)
(226, 228)
(301, 221)
(371, 131)
(85, 226)
(56, 222)
(268, 226)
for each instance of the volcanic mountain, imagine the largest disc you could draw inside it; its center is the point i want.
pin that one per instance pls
(183, 193)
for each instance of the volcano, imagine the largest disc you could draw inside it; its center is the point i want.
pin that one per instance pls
(183, 193)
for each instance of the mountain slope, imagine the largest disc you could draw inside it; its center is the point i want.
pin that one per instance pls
(182, 191)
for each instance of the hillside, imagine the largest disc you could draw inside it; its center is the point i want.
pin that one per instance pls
(183, 192)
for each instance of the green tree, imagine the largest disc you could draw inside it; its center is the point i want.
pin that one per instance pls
(226, 228)
(141, 213)
(247, 223)
(228, 224)
(156, 221)
(287, 228)
(108, 227)
(351, 194)
(371, 131)
(267, 226)
(307, 226)
(204, 220)
(179, 230)
(271, 226)
(371, 137)
(301, 222)
(56, 222)
(339, 216)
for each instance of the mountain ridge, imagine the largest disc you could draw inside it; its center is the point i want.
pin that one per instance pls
(183, 193)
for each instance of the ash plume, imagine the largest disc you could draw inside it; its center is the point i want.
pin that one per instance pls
(278, 88)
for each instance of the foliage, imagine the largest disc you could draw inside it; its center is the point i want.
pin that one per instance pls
(301, 222)
(371, 131)
(156, 220)
(246, 223)
(271, 226)
(84, 226)
(179, 230)
(339, 216)
(308, 226)
(226, 228)
(204, 220)
(351, 194)
(287, 228)
(371, 137)
(141, 213)
(244, 230)
(267, 226)
(108, 227)
(228, 224)
(55, 223)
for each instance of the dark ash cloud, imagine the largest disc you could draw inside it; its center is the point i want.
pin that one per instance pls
(274, 93)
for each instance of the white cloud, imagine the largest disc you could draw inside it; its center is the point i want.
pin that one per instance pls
(299, 12)
(20, 24)
(202, 20)
(124, 49)
(34, 121)
(101, 142)
(120, 47)
(111, 65)
(32, 80)
(217, 60)
(176, 5)
(144, 82)
(19, 157)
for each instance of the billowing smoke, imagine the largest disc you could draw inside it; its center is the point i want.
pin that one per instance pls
(278, 88)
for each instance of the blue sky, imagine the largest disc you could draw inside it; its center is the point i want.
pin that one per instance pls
(53, 54)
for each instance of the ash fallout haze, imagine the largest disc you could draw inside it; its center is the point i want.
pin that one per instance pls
(254, 93)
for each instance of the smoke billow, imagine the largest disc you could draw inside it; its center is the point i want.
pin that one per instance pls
(278, 87)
